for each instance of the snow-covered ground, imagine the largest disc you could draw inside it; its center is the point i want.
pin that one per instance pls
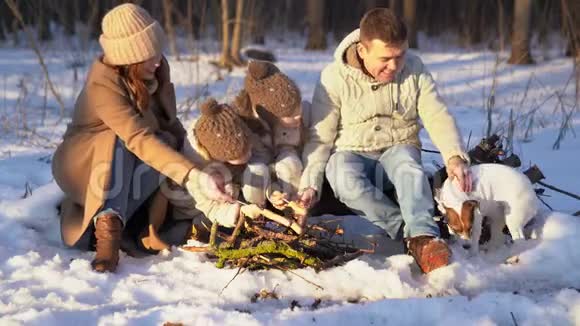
(42, 282)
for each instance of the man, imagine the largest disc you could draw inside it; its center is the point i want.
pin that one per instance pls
(365, 124)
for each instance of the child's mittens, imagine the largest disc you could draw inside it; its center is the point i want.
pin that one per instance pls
(252, 211)
(255, 182)
(229, 215)
(278, 199)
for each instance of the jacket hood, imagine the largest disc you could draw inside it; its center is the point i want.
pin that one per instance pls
(346, 57)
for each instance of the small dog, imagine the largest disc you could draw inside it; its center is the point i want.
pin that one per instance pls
(502, 194)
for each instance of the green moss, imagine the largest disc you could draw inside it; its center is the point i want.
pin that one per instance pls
(265, 247)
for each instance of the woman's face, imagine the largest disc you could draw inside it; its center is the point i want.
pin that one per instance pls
(147, 68)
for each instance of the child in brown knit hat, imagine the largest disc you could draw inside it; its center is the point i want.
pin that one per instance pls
(276, 99)
(221, 143)
(221, 132)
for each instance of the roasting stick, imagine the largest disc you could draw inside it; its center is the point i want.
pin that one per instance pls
(278, 219)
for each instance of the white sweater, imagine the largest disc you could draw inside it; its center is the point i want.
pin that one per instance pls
(352, 112)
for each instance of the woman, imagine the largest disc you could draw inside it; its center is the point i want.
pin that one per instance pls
(123, 141)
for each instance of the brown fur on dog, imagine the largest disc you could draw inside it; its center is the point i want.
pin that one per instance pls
(462, 224)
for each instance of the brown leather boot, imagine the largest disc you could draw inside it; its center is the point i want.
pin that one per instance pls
(429, 253)
(108, 229)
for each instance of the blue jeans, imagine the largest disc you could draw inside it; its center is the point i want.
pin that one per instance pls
(359, 179)
(132, 183)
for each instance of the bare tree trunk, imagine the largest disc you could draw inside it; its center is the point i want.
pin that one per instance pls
(97, 11)
(297, 18)
(14, 28)
(316, 30)
(521, 33)
(344, 17)
(225, 60)
(32, 43)
(66, 11)
(43, 21)
(189, 25)
(571, 24)
(543, 19)
(435, 17)
(3, 21)
(368, 5)
(501, 25)
(410, 15)
(471, 18)
(257, 20)
(396, 6)
(169, 27)
(237, 34)
(571, 17)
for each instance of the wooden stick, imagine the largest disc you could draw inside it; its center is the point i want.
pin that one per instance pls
(273, 235)
(567, 193)
(237, 229)
(297, 208)
(339, 260)
(197, 249)
(282, 220)
(213, 234)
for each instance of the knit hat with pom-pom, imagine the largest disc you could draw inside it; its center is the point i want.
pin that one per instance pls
(222, 132)
(272, 91)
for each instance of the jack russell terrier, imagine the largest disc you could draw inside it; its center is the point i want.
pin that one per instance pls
(500, 193)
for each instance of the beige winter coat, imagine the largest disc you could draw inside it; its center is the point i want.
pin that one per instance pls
(352, 112)
(82, 163)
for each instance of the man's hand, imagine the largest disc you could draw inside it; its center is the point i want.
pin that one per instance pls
(211, 185)
(457, 168)
(307, 197)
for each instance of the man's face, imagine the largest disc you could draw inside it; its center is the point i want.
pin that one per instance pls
(381, 60)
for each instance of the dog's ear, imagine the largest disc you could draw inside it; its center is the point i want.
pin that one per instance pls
(471, 203)
(469, 209)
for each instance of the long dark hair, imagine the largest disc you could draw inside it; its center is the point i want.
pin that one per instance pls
(137, 87)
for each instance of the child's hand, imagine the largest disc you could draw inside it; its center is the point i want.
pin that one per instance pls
(307, 197)
(278, 199)
(252, 211)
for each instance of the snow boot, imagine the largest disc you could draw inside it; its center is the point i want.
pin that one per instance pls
(108, 230)
(429, 253)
